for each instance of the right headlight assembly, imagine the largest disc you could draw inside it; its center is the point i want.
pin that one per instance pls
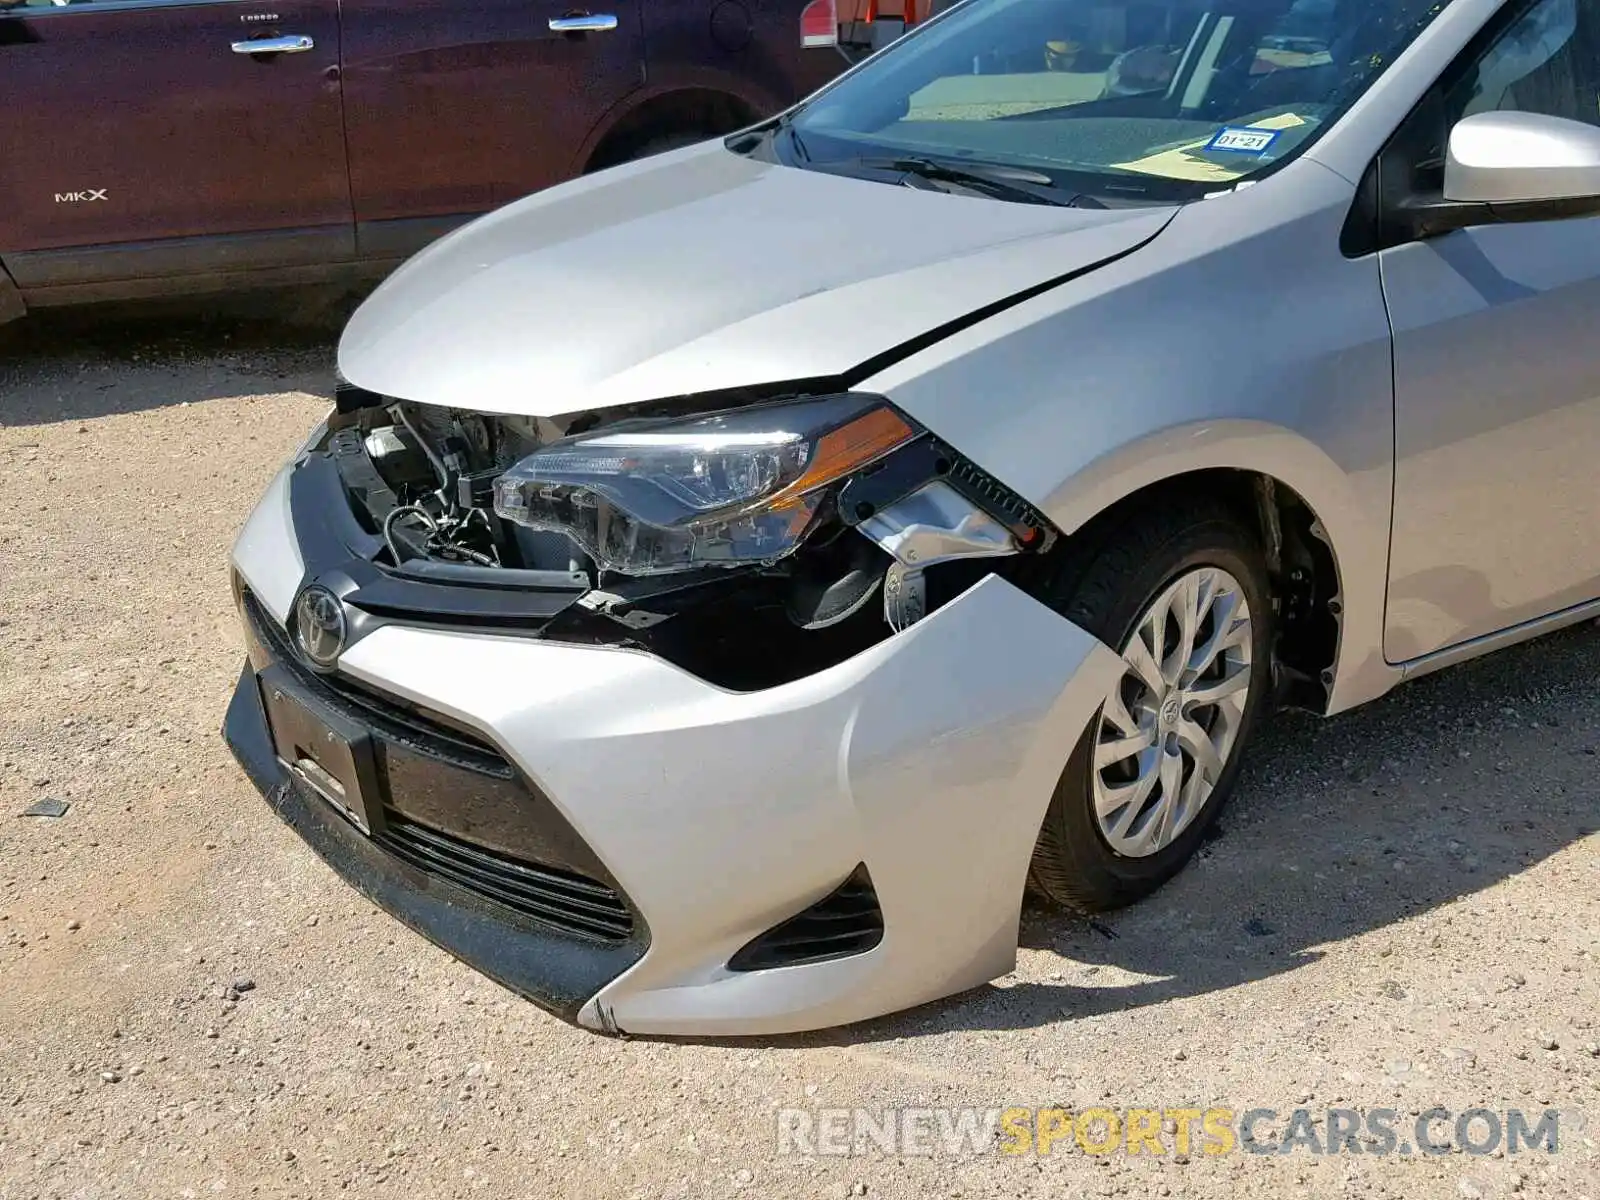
(729, 489)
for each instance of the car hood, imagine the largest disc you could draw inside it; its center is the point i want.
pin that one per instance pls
(703, 270)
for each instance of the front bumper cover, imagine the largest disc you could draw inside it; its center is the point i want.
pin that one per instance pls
(929, 758)
(556, 972)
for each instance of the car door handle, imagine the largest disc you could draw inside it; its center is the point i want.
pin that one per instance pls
(583, 23)
(293, 43)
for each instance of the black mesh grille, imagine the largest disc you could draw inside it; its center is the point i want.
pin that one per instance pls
(847, 921)
(569, 902)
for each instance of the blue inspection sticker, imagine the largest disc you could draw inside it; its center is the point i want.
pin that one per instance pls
(1243, 139)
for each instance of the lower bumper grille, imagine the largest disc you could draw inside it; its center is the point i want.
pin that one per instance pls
(845, 922)
(555, 969)
(458, 811)
(570, 902)
(552, 896)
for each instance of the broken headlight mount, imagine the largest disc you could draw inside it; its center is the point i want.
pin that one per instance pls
(927, 505)
(748, 487)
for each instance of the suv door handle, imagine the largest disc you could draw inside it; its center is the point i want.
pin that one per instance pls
(293, 43)
(583, 23)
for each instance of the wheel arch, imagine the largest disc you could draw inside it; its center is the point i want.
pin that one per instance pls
(1307, 511)
(718, 106)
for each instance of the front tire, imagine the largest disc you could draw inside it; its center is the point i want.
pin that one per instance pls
(1180, 590)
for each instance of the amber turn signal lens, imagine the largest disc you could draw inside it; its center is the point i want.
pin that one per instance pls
(869, 436)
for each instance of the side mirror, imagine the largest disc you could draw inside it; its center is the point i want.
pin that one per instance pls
(1521, 158)
(1509, 166)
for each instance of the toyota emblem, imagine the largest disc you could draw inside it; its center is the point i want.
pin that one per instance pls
(319, 626)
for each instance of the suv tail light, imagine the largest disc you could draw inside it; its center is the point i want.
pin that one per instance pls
(819, 24)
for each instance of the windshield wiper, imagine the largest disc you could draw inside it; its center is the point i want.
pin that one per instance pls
(786, 125)
(765, 134)
(994, 178)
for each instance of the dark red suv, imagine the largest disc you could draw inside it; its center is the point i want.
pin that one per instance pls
(181, 146)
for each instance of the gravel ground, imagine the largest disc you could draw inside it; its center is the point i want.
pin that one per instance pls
(1402, 910)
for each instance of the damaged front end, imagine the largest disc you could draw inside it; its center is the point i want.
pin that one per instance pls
(748, 543)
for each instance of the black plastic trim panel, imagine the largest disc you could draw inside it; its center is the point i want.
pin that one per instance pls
(170, 257)
(401, 237)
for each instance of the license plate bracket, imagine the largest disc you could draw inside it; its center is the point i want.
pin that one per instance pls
(324, 749)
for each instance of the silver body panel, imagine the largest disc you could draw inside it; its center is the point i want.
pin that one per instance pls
(266, 554)
(1123, 378)
(1497, 429)
(700, 271)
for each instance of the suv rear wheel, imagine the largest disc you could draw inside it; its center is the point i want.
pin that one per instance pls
(660, 143)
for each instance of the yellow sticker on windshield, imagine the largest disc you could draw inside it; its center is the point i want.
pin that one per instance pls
(1183, 162)
(1180, 164)
(1281, 121)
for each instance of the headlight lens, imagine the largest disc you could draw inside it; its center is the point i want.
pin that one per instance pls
(725, 490)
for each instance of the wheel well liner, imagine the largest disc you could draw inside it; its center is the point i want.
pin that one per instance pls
(1302, 570)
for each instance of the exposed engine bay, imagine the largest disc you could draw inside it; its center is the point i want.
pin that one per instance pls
(746, 545)
(435, 469)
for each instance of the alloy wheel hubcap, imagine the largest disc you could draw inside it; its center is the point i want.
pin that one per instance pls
(1170, 723)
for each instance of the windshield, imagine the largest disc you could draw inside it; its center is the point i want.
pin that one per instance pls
(1161, 100)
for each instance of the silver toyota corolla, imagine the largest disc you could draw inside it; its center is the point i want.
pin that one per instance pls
(726, 582)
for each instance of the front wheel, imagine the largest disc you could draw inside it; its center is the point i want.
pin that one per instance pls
(1180, 591)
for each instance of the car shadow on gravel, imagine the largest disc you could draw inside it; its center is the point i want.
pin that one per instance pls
(104, 360)
(1341, 828)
